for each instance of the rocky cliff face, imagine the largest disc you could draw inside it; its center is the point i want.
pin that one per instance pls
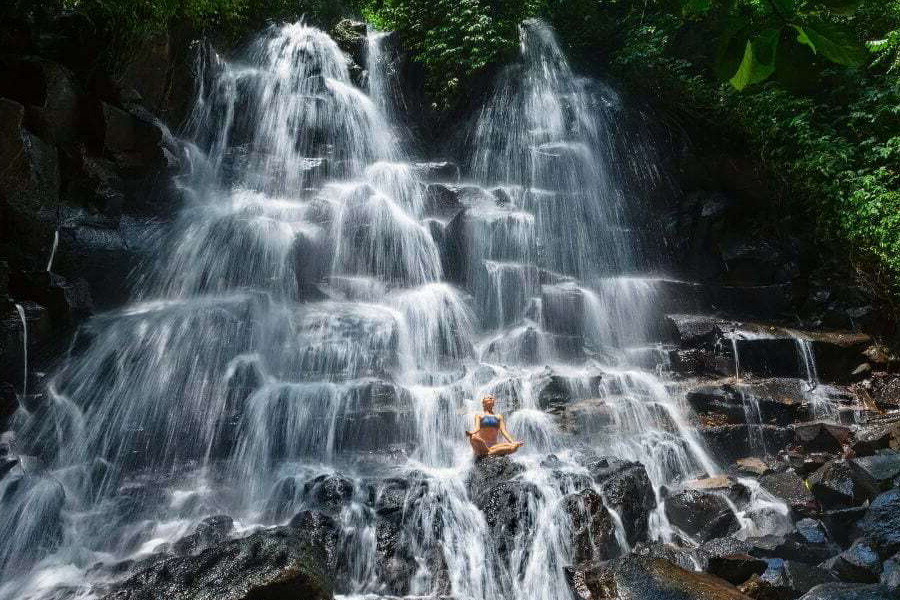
(87, 162)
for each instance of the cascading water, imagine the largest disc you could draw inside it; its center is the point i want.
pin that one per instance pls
(299, 322)
(53, 250)
(21, 312)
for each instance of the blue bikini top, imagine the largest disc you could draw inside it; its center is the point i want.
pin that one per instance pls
(490, 421)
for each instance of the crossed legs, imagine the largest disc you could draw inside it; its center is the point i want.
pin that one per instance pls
(481, 448)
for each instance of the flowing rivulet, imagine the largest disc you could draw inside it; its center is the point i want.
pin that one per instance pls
(313, 311)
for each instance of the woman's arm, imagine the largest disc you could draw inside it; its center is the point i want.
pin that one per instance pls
(477, 426)
(504, 431)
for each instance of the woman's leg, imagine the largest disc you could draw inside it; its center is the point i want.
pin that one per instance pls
(504, 449)
(478, 446)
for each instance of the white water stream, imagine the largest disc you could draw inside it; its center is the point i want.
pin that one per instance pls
(300, 321)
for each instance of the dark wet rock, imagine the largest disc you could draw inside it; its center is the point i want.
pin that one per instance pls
(395, 496)
(7, 465)
(562, 309)
(510, 511)
(441, 200)
(821, 436)
(695, 331)
(805, 464)
(454, 253)
(890, 573)
(50, 92)
(848, 591)
(735, 568)
(310, 258)
(135, 140)
(729, 559)
(282, 499)
(350, 36)
(210, 531)
(628, 491)
(723, 485)
(29, 176)
(395, 564)
(329, 493)
(639, 577)
(683, 557)
(554, 394)
(881, 525)
(322, 532)
(437, 171)
(489, 471)
(273, 563)
(786, 580)
(67, 302)
(810, 531)
(875, 474)
(834, 487)
(593, 529)
(700, 514)
(790, 488)
(731, 442)
(859, 563)
(699, 362)
(841, 523)
(870, 441)
(790, 548)
(838, 353)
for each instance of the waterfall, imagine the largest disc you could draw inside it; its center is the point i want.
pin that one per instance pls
(24, 321)
(53, 250)
(817, 395)
(298, 322)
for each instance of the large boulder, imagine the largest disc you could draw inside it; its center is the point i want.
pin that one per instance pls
(881, 524)
(29, 177)
(834, 486)
(272, 563)
(209, 532)
(490, 471)
(789, 487)
(858, 563)
(628, 491)
(821, 436)
(700, 514)
(786, 580)
(875, 474)
(848, 591)
(328, 493)
(650, 578)
(67, 303)
(49, 91)
(593, 529)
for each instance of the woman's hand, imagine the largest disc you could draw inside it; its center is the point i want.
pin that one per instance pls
(469, 433)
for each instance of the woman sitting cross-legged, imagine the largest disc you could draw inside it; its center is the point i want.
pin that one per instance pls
(487, 426)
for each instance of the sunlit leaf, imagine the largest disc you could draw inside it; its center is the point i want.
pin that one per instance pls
(831, 41)
(758, 62)
(730, 52)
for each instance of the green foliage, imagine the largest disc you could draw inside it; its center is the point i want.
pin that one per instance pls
(455, 40)
(125, 20)
(826, 123)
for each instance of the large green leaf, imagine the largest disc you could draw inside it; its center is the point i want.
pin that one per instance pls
(758, 62)
(730, 52)
(831, 41)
